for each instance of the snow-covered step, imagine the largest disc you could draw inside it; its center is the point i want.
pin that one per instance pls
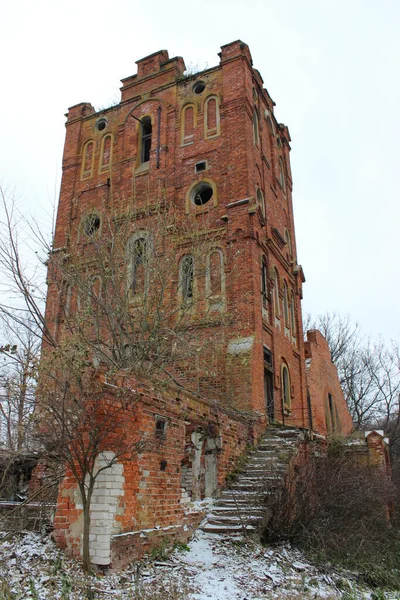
(227, 528)
(245, 504)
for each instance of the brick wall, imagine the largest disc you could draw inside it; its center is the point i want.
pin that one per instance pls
(328, 406)
(145, 493)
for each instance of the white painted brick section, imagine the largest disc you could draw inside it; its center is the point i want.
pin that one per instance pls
(109, 487)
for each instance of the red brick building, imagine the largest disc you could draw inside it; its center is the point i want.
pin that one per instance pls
(209, 146)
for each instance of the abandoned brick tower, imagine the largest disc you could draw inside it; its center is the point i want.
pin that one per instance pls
(211, 143)
(209, 146)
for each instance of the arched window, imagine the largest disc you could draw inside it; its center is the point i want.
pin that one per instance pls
(286, 396)
(285, 305)
(145, 139)
(256, 128)
(282, 178)
(215, 265)
(87, 159)
(188, 123)
(292, 316)
(68, 298)
(260, 201)
(105, 153)
(264, 281)
(215, 280)
(276, 293)
(187, 279)
(288, 243)
(211, 117)
(138, 253)
(138, 266)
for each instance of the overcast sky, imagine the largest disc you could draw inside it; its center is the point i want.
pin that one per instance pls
(332, 67)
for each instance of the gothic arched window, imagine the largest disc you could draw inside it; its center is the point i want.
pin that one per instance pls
(264, 281)
(105, 153)
(286, 396)
(211, 117)
(282, 178)
(285, 304)
(188, 123)
(138, 253)
(87, 159)
(186, 277)
(276, 293)
(256, 128)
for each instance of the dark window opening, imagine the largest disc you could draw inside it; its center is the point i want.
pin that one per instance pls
(264, 281)
(146, 129)
(161, 428)
(201, 166)
(202, 194)
(91, 225)
(268, 357)
(138, 265)
(199, 87)
(101, 124)
(187, 278)
(163, 465)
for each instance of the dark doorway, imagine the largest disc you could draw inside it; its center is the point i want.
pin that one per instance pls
(269, 385)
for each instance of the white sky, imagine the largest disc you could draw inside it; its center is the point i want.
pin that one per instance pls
(332, 67)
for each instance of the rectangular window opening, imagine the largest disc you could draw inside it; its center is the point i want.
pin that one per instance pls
(201, 166)
(161, 428)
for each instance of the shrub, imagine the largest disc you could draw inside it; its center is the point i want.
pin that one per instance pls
(338, 510)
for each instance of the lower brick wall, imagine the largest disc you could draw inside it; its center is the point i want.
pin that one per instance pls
(144, 499)
(131, 546)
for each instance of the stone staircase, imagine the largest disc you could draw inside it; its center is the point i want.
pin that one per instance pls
(243, 505)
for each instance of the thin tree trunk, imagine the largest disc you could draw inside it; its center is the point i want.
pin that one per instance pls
(86, 526)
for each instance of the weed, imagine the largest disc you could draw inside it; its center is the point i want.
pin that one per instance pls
(66, 586)
(180, 546)
(160, 552)
(33, 590)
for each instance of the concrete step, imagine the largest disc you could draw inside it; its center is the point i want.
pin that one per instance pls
(235, 510)
(245, 503)
(227, 528)
(233, 519)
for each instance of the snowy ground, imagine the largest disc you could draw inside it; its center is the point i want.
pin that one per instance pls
(215, 568)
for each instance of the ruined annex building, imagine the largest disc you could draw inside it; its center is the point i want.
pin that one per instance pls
(207, 149)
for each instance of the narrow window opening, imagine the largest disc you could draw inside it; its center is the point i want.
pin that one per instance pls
(276, 292)
(256, 130)
(286, 387)
(138, 265)
(264, 282)
(146, 130)
(161, 428)
(292, 316)
(187, 279)
(285, 304)
(282, 173)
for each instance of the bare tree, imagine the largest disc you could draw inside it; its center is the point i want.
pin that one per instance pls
(20, 355)
(122, 298)
(369, 373)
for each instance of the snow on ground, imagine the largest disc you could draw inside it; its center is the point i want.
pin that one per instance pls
(215, 567)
